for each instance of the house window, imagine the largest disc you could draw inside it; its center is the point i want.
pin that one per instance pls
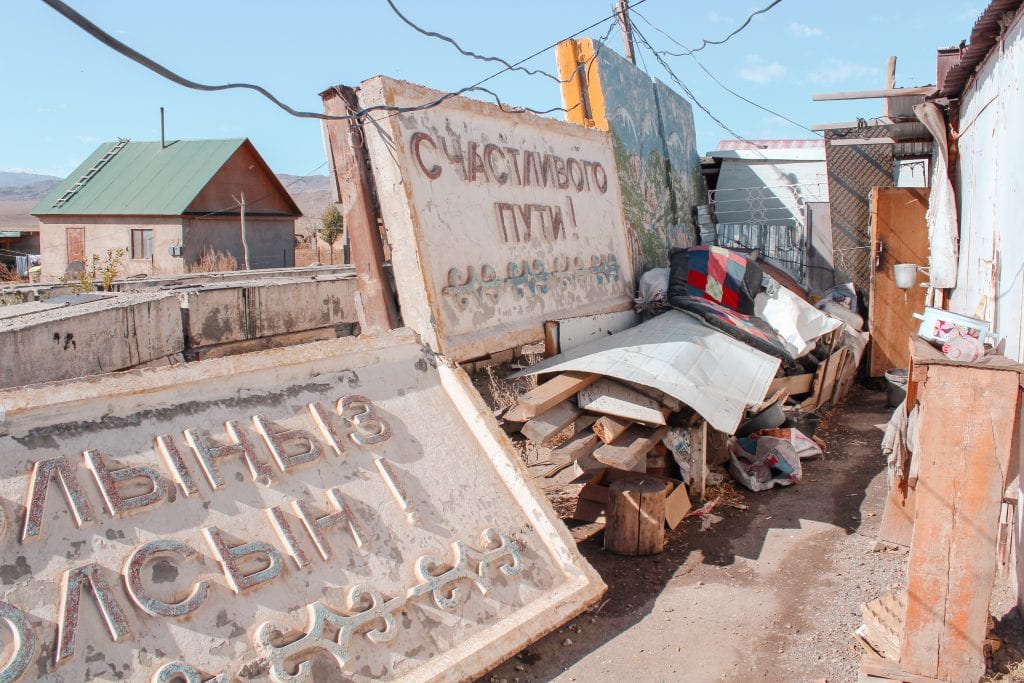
(142, 244)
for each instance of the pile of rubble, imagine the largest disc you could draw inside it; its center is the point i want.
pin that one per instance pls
(722, 372)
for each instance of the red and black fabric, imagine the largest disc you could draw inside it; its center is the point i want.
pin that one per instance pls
(751, 331)
(721, 275)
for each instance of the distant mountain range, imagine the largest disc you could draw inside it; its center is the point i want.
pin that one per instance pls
(19, 192)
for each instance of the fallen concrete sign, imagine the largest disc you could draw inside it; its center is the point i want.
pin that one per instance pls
(343, 508)
(497, 221)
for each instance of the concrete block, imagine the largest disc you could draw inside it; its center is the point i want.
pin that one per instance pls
(344, 509)
(264, 308)
(112, 333)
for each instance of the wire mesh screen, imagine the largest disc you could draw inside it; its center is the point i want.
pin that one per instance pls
(852, 171)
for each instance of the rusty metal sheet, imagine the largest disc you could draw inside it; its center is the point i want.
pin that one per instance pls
(343, 509)
(497, 221)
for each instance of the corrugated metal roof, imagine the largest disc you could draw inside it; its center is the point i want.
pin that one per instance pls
(984, 36)
(142, 179)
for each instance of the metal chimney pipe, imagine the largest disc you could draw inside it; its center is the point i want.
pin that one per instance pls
(163, 143)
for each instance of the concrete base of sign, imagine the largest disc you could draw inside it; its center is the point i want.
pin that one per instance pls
(338, 509)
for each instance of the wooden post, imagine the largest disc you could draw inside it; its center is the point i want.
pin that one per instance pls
(966, 428)
(635, 519)
(622, 10)
(351, 174)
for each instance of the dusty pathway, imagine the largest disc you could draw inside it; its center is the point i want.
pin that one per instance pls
(768, 594)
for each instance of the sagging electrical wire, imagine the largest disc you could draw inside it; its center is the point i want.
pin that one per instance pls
(686, 89)
(465, 52)
(99, 34)
(705, 43)
(688, 52)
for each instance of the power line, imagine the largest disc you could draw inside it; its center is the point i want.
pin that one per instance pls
(686, 89)
(99, 34)
(729, 90)
(705, 43)
(468, 53)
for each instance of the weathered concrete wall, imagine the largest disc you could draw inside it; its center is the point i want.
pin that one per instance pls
(43, 341)
(235, 312)
(271, 240)
(348, 508)
(88, 339)
(115, 232)
(497, 221)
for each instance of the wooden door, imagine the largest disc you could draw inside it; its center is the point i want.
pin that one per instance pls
(899, 234)
(76, 245)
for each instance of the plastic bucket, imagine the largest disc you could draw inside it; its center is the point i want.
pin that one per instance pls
(897, 379)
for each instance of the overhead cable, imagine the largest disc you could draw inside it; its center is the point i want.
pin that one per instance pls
(468, 53)
(705, 43)
(729, 90)
(99, 34)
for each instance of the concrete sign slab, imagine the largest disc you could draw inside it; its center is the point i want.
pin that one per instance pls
(338, 510)
(497, 221)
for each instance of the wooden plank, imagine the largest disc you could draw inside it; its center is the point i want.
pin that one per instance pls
(629, 451)
(897, 527)
(610, 428)
(699, 451)
(874, 94)
(579, 445)
(899, 234)
(879, 668)
(952, 560)
(544, 396)
(608, 397)
(352, 183)
(815, 399)
(543, 427)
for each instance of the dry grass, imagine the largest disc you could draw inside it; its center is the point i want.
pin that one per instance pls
(212, 261)
(1014, 674)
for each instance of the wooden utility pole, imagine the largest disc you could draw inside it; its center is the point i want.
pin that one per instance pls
(352, 179)
(622, 11)
(245, 241)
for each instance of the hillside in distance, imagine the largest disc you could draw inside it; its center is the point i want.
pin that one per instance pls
(20, 191)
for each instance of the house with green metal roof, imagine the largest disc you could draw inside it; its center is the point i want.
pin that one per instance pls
(168, 204)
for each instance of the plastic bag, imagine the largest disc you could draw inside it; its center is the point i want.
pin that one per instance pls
(653, 291)
(761, 462)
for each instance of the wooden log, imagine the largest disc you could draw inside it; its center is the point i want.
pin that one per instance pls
(611, 398)
(635, 517)
(610, 428)
(629, 451)
(542, 428)
(547, 395)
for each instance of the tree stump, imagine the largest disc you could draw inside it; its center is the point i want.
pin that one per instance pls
(636, 516)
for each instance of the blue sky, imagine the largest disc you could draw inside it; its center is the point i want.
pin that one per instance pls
(64, 92)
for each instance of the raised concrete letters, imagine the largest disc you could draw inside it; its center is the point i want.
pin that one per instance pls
(353, 491)
(498, 221)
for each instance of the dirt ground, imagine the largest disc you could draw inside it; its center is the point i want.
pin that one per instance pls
(770, 593)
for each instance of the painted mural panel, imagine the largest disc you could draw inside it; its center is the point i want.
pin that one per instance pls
(498, 221)
(656, 156)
